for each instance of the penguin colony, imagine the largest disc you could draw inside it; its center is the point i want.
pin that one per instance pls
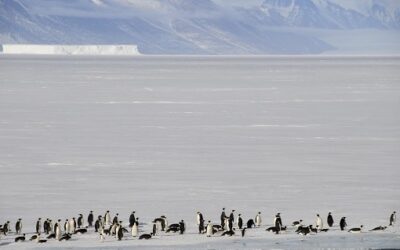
(228, 225)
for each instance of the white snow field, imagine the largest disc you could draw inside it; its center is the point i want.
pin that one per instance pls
(176, 135)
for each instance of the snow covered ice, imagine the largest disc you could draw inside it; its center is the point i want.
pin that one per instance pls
(177, 135)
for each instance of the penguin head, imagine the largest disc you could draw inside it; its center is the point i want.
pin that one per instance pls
(317, 215)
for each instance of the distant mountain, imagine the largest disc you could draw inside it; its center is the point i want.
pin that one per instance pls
(192, 26)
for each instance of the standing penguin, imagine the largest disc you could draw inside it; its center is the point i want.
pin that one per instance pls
(278, 223)
(132, 219)
(392, 218)
(58, 230)
(258, 219)
(154, 228)
(6, 227)
(209, 230)
(57, 225)
(223, 217)
(330, 219)
(120, 232)
(80, 221)
(66, 226)
(46, 226)
(115, 219)
(72, 225)
(231, 220)
(18, 226)
(243, 231)
(135, 228)
(319, 223)
(200, 222)
(182, 227)
(343, 223)
(90, 219)
(107, 218)
(38, 226)
(240, 221)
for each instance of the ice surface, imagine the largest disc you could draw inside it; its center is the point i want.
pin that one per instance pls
(176, 135)
(46, 49)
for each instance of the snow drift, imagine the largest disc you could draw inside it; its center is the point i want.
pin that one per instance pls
(42, 49)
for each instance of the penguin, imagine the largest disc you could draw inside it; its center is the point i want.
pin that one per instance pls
(115, 219)
(46, 226)
(163, 222)
(319, 223)
(297, 223)
(58, 230)
(229, 233)
(217, 228)
(343, 223)
(80, 231)
(90, 219)
(200, 222)
(209, 230)
(132, 219)
(18, 226)
(97, 225)
(243, 232)
(356, 229)
(38, 240)
(113, 229)
(51, 236)
(392, 218)
(38, 225)
(182, 227)
(258, 219)
(231, 219)
(120, 232)
(107, 218)
(135, 228)
(145, 236)
(155, 228)
(20, 238)
(34, 237)
(303, 230)
(72, 225)
(102, 234)
(6, 227)
(226, 223)
(240, 221)
(380, 228)
(330, 219)
(65, 237)
(80, 221)
(278, 223)
(66, 226)
(250, 223)
(223, 217)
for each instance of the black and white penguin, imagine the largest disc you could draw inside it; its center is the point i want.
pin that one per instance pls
(209, 229)
(356, 229)
(200, 222)
(231, 219)
(107, 218)
(145, 236)
(34, 237)
(379, 228)
(38, 240)
(182, 227)
(38, 225)
(258, 220)
(51, 236)
(80, 221)
(319, 223)
(80, 231)
(343, 223)
(65, 237)
(162, 220)
(135, 228)
(115, 219)
(278, 223)
(20, 238)
(240, 221)
(57, 229)
(392, 218)
(120, 232)
(250, 223)
(90, 219)
(18, 226)
(297, 223)
(46, 226)
(243, 232)
(330, 219)
(223, 218)
(6, 227)
(229, 233)
(132, 219)
(303, 230)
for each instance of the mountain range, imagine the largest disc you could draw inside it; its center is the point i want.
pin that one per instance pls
(195, 26)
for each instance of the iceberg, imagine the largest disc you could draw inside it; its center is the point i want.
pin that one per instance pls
(46, 49)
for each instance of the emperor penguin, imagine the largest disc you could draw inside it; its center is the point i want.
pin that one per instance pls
(90, 219)
(120, 231)
(58, 231)
(72, 225)
(117, 228)
(18, 226)
(319, 223)
(226, 223)
(107, 218)
(240, 221)
(356, 229)
(330, 219)
(258, 219)
(342, 223)
(38, 225)
(132, 219)
(66, 226)
(135, 228)
(80, 221)
(209, 230)
(115, 219)
(223, 218)
(392, 218)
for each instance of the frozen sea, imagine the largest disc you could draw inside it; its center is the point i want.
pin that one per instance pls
(174, 135)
